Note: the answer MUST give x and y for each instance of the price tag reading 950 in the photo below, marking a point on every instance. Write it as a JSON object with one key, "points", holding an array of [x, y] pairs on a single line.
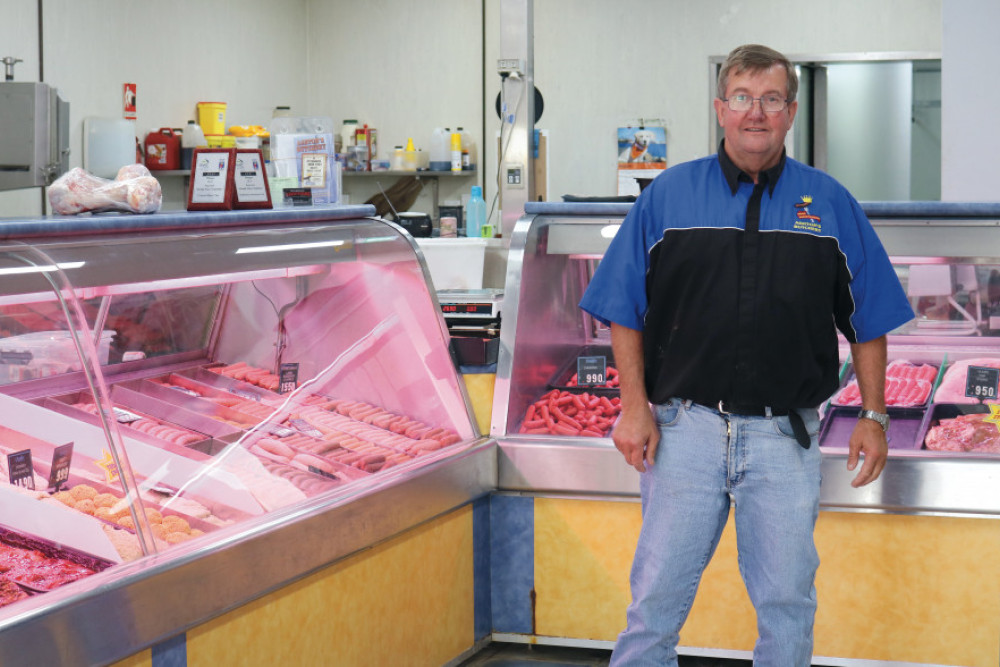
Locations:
{"points": [[288, 378], [591, 371], [981, 382]]}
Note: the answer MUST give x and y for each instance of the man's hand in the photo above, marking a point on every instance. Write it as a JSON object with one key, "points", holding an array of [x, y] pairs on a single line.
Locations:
{"points": [[636, 437], [868, 439]]}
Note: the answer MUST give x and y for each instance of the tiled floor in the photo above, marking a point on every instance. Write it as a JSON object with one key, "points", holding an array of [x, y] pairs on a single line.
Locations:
{"points": [[526, 655]]}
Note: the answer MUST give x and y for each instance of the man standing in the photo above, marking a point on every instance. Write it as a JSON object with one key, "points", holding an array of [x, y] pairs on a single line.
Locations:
{"points": [[724, 289]]}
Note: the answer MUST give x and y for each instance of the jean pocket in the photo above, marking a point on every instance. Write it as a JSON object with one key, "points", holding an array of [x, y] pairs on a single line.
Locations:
{"points": [[810, 417], [667, 413]]}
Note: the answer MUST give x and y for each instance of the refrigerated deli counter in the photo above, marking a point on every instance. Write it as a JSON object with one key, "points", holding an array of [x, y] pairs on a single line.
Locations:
{"points": [[909, 570], [200, 413]]}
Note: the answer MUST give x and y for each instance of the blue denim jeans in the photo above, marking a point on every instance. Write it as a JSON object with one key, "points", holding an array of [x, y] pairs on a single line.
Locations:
{"points": [[704, 463]]}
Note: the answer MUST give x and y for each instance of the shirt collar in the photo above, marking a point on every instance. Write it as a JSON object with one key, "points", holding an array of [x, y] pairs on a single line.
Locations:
{"points": [[734, 174]]}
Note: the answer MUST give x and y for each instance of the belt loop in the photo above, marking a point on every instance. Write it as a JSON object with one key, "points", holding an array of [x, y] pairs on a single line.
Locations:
{"points": [[767, 411], [688, 403]]}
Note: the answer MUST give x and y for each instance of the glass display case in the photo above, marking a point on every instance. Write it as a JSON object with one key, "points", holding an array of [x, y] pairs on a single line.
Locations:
{"points": [[556, 398], [202, 384]]}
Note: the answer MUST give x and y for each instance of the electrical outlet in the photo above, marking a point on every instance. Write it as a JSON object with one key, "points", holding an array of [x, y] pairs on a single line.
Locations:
{"points": [[510, 66], [515, 175]]}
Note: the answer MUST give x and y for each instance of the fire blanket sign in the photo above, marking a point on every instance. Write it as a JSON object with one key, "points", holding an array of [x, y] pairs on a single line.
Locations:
{"points": [[128, 100]]}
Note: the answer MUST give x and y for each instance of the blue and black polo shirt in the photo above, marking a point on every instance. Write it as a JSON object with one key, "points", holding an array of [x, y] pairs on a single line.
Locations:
{"points": [[740, 288]]}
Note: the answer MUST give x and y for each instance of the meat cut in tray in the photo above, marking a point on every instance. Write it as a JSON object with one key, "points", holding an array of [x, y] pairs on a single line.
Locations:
{"points": [[112, 508], [953, 384], [906, 385], [244, 372], [148, 425], [32, 569], [964, 433], [337, 440], [343, 435], [37, 566]]}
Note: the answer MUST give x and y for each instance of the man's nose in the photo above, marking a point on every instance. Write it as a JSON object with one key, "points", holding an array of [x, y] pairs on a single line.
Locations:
{"points": [[756, 107]]}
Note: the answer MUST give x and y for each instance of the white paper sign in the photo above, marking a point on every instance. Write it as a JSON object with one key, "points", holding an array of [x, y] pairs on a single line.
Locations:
{"points": [[249, 178], [209, 185]]}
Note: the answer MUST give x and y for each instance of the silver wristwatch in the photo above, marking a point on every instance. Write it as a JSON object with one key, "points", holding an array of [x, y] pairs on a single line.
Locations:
{"points": [[880, 417]]}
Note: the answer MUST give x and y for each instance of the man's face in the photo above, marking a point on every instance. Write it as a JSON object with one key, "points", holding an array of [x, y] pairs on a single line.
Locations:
{"points": [[754, 139]]}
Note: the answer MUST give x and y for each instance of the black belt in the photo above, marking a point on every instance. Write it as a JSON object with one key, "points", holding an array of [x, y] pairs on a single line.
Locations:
{"points": [[794, 418]]}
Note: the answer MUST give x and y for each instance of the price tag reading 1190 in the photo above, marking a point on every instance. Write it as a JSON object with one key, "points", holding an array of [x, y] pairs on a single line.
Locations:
{"points": [[591, 371], [981, 382]]}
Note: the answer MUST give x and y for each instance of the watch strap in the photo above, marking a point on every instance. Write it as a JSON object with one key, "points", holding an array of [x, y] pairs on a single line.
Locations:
{"points": [[880, 417]]}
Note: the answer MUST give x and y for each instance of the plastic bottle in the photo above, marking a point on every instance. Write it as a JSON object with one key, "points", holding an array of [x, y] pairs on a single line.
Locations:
{"points": [[456, 151], [398, 159], [439, 158], [475, 213], [468, 151], [347, 133], [410, 156], [191, 138]]}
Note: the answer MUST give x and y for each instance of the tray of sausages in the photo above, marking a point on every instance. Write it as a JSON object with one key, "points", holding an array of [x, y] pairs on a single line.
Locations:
{"points": [[569, 413]]}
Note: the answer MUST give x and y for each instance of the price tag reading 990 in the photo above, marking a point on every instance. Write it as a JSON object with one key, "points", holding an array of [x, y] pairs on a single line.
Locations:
{"points": [[59, 472], [981, 382], [591, 371]]}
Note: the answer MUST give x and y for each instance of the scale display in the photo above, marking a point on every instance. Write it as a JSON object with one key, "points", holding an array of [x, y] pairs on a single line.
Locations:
{"points": [[467, 309]]}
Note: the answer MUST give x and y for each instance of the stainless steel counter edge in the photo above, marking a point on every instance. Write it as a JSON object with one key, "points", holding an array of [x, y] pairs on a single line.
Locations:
{"points": [[909, 485], [104, 223], [138, 604]]}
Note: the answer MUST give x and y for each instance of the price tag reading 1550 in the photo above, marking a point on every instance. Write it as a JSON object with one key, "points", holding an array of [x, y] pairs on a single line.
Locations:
{"points": [[591, 371], [981, 382]]}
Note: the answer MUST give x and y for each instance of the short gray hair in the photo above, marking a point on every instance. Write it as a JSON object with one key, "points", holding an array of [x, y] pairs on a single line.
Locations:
{"points": [[756, 58]]}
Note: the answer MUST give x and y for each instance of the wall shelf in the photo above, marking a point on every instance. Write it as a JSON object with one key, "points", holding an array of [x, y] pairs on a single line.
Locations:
{"points": [[432, 176], [424, 172]]}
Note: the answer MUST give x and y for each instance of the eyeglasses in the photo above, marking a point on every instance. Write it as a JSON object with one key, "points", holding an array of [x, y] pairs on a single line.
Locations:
{"points": [[769, 103]]}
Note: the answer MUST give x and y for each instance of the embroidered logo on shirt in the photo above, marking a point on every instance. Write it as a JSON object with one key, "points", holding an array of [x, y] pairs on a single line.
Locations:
{"points": [[804, 220]]}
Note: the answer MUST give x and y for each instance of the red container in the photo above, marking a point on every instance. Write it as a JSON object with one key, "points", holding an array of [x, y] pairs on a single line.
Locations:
{"points": [[163, 150]]}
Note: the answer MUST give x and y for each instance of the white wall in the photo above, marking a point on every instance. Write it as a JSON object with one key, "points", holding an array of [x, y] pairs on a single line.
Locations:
{"points": [[601, 64], [248, 53], [402, 66], [407, 66], [970, 99]]}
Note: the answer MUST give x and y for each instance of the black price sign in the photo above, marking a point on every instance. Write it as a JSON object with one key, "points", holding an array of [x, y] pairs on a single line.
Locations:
{"points": [[242, 393], [981, 382], [288, 378], [305, 427], [297, 196], [20, 470], [591, 371], [59, 472], [15, 358], [279, 431], [321, 473], [124, 416]]}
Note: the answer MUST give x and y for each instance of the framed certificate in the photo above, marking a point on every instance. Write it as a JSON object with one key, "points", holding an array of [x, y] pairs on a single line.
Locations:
{"points": [[211, 186], [250, 187]]}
